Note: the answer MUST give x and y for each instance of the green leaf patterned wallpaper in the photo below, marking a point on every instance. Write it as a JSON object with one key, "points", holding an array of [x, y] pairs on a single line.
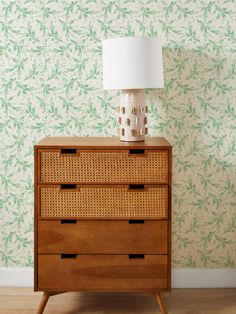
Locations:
{"points": [[51, 84]]}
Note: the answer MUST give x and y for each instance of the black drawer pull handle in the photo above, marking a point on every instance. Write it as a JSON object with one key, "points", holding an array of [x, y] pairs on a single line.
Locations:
{"points": [[134, 222], [136, 187], [68, 221], [68, 255], [137, 151], [136, 256], [68, 151], [68, 186]]}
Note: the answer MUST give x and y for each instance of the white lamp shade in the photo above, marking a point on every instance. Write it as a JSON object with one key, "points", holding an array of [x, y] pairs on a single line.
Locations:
{"points": [[132, 63]]}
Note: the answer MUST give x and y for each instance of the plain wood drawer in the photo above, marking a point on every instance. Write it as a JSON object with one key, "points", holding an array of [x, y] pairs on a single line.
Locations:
{"points": [[103, 201], [102, 237], [106, 166], [102, 272]]}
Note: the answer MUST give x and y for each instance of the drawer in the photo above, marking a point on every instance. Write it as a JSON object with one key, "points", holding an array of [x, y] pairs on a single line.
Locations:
{"points": [[103, 237], [102, 272], [103, 201], [114, 166]]}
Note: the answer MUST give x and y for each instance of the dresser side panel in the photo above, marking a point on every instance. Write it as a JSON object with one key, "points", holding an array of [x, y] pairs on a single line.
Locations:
{"points": [[169, 217], [35, 219]]}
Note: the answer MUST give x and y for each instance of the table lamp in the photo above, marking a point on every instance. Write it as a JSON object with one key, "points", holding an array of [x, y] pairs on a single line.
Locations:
{"points": [[132, 64]]}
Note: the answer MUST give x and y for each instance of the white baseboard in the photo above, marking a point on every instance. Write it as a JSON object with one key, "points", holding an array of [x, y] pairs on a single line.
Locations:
{"points": [[204, 278], [16, 277], [181, 278]]}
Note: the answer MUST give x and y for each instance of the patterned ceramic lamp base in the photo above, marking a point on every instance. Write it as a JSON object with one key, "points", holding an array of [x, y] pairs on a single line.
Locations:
{"points": [[132, 115]]}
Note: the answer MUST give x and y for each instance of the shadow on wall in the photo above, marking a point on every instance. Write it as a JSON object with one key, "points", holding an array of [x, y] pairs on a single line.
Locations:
{"points": [[196, 114]]}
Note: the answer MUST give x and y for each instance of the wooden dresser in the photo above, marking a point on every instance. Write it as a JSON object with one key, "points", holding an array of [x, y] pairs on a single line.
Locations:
{"points": [[102, 216]]}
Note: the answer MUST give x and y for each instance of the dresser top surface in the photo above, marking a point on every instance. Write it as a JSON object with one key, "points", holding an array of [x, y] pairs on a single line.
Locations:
{"points": [[101, 142]]}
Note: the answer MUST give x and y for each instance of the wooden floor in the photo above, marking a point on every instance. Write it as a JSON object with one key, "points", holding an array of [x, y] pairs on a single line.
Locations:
{"points": [[181, 301]]}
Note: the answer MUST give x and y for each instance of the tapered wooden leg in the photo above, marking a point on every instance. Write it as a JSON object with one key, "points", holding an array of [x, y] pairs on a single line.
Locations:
{"points": [[160, 303], [43, 302]]}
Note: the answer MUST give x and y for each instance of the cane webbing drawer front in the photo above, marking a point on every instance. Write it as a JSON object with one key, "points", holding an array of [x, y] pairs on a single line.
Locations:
{"points": [[103, 237], [104, 166], [104, 202], [102, 272]]}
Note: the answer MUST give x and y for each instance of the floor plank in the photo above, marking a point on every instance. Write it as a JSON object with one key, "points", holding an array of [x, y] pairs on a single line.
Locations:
{"points": [[179, 301]]}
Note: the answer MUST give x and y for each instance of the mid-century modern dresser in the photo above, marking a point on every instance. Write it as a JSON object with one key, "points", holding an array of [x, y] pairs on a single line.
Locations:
{"points": [[102, 216]]}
